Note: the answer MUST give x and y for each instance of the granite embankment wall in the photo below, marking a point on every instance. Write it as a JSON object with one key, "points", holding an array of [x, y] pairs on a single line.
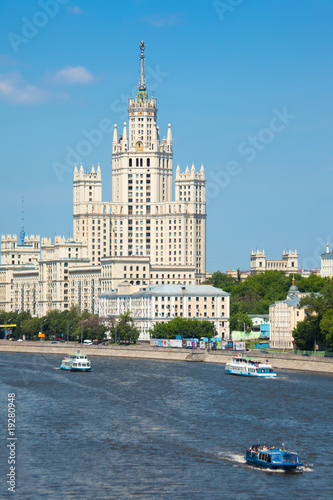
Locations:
{"points": [[278, 360]]}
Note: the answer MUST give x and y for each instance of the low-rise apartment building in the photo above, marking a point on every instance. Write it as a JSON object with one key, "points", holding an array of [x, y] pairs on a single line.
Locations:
{"points": [[284, 315], [160, 303]]}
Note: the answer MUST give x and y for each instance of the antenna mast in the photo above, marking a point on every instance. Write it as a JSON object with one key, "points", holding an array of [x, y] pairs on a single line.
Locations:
{"points": [[22, 233]]}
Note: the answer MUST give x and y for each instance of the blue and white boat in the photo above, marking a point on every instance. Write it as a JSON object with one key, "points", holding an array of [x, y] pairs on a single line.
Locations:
{"points": [[272, 458], [239, 365], [76, 363]]}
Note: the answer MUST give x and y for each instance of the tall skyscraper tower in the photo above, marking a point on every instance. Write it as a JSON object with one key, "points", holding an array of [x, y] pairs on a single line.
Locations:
{"points": [[143, 222]]}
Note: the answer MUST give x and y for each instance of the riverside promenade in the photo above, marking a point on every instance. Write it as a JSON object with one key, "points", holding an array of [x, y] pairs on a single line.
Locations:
{"points": [[287, 361]]}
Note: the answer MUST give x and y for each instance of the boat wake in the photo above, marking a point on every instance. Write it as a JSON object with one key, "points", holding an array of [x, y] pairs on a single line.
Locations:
{"points": [[300, 470], [306, 468], [236, 458]]}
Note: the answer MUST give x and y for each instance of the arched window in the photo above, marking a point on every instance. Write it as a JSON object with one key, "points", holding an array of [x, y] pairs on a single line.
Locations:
{"points": [[137, 162], [141, 162], [130, 162], [148, 162]]}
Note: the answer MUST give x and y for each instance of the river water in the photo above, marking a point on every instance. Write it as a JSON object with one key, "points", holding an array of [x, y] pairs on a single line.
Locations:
{"points": [[161, 430]]}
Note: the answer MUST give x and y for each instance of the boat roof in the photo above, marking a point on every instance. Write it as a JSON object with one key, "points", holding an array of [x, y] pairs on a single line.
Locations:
{"points": [[75, 356], [254, 360], [270, 449]]}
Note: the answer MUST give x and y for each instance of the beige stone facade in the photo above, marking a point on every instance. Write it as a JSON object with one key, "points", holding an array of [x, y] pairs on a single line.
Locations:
{"points": [[142, 237], [17, 254], [19, 273], [56, 260], [143, 219], [288, 263], [283, 317]]}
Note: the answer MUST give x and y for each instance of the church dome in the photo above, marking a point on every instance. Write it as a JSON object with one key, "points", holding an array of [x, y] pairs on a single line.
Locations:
{"points": [[293, 288]]}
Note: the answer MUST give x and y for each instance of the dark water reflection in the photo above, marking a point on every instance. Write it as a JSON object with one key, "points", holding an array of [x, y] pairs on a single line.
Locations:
{"points": [[150, 429]]}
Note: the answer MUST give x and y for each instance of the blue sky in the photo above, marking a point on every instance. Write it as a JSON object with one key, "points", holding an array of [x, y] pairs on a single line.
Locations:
{"points": [[247, 86]]}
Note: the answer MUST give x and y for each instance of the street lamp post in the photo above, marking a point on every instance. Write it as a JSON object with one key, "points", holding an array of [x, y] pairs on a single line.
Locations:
{"points": [[315, 344], [81, 328], [41, 328]]}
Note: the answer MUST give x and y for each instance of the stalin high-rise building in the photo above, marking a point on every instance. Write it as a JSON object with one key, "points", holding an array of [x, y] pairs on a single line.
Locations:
{"points": [[145, 235], [143, 252]]}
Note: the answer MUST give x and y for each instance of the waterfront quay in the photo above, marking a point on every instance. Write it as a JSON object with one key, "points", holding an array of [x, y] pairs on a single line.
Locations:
{"points": [[286, 361]]}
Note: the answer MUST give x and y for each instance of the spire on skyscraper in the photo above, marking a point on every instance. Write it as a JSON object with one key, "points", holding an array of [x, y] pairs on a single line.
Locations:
{"points": [[142, 94], [142, 84]]}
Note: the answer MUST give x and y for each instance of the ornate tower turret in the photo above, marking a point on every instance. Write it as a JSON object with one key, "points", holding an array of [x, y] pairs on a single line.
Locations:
{"points": [[141, 153]]}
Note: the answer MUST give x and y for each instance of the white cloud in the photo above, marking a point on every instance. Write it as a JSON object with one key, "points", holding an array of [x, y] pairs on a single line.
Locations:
{"points": [[17, 91], [73, 74], [75, 10]]}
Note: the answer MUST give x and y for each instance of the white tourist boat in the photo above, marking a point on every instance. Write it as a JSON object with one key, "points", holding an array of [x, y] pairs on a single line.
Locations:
{"points": [[76, 363], [248, 367]]}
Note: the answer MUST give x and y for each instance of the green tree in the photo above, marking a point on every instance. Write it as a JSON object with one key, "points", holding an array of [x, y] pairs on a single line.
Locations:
{"points": [[312, 284], [238, 320], [186, 327], [30, 328], [124, 329], [307, 333], [91, 328], [326, 327], [223, 281], [320, 313], [18, 320], [55, 324]]}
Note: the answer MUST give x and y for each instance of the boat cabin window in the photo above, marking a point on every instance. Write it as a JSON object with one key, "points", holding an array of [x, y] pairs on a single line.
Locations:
{"points": [[276, 458], [265, 457]]}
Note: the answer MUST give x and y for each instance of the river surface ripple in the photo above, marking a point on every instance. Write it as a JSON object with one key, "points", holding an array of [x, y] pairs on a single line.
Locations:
{"points": [[147, 429]]}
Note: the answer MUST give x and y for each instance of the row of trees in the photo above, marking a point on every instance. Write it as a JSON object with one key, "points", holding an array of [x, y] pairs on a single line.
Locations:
{"points": [[258, 292], [56, 324], [187, 328], [79, 325]]}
